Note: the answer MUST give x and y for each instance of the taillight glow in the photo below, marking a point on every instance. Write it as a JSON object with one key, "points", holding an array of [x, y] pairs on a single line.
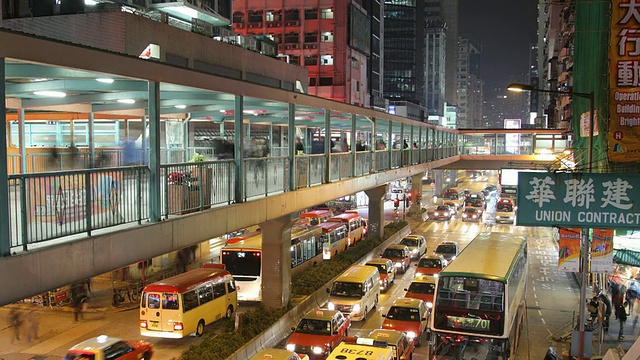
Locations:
{"points": [[143, 324], [177, 326]]}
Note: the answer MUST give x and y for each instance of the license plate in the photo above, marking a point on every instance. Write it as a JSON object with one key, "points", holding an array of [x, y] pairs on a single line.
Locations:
{"points": [[155, 324]]}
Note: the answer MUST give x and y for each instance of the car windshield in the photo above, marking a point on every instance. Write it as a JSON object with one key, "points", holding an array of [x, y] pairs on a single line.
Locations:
{"points": [[394, 253], [430, 263], [471, 210], [422, 288], [403, 314], [346, 289], [382, 268], [504, 207], [442, 208], [446, 249], [79, 356], [409, 242], [317, 327]]}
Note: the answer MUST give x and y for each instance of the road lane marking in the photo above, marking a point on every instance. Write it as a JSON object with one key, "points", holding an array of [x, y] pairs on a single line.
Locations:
{"points": [[540, 312], [534, 288], [535, 296], [550, 333], [544, 322]]}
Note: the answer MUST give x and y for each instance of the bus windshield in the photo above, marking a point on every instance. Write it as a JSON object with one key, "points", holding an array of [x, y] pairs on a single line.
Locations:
{"points": [[242, 263], [346, 289], [448, 347], [314, 221]]}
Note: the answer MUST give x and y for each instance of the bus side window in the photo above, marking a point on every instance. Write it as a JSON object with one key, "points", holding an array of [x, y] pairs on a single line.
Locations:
{"points": [[189, 300], [231, 286], [218, 290], [205, 294], [143, 302]]}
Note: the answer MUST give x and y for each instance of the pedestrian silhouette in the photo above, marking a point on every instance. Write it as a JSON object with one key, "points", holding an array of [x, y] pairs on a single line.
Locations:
{"points": [[15, 322], [32, 326]]}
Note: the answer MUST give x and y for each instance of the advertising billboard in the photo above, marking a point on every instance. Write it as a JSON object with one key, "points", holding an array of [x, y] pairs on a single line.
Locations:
{"points": [[360, 31], [624, 82]]}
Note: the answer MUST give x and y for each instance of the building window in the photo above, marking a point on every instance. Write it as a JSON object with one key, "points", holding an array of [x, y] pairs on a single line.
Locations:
{"points": [[355, 63], [326, 14], [312, 82], [311, 60], [292, 14], [327, 36], [326, 60], [294, 59], [326, 81], [310, 14], [238, 17], [269, 16], [292, 38], [311, 37]]}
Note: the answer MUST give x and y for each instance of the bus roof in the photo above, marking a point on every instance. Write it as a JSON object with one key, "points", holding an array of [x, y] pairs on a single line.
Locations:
{"points": [[482, 257], [251, 241], [331, 226], [185, 281], [317, 213], [344, 216]]}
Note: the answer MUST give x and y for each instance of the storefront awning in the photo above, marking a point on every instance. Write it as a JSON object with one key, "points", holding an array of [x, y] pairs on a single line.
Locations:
{"points": [[626, 257]]}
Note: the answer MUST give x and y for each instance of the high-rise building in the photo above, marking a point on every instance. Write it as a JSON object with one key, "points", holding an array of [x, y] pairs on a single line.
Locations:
{"points": [[449, 11], [337, 41], [404, 49], [469, 85], [436, 64]]}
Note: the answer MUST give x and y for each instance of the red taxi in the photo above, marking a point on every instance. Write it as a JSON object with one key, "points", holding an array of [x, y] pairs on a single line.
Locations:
{"points": [[399, 254], [318, 332], [387, 272], [409, 316], [431, 264], [402, 348], [422, 287], [105, 347]]}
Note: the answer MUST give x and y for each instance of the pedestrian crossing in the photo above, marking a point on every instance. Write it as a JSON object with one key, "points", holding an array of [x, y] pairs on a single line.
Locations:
{"points": [[464, 227]]}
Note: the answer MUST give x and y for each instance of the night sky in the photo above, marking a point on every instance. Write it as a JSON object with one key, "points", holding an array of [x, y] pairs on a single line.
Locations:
{"points": [[506, 29]]}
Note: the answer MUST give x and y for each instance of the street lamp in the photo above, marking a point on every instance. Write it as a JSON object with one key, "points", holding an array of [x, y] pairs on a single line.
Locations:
{"points": [[585, 233]]}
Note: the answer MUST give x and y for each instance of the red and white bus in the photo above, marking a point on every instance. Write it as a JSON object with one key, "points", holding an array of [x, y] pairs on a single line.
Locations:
{"points": [[334, 239], [356, 226], [186, 303], [316, 217]]}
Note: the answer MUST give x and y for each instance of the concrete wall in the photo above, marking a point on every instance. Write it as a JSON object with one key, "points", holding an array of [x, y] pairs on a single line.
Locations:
{"points": [[42, 270], [278, 331], [130, 34]]}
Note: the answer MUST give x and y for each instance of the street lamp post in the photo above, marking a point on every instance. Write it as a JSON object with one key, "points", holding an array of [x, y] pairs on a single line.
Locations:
{"points": [[585, 232]]}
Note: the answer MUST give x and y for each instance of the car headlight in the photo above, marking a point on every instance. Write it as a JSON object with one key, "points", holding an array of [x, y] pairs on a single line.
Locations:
{"points": [[511, 217], [464, 215], [415, 251], [429, 305], [331, 306], [291, 347], [436, 213], [317, 350], [497, 216], [397, 264], [356, 307], [453, 257], [411, 335]]}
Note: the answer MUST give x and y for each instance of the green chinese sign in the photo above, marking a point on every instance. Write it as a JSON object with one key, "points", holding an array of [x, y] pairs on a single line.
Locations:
{"points": [[604, 201]]}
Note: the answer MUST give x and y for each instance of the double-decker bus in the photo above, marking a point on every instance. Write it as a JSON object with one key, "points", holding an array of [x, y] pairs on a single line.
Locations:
{"points": [[184, 304], [334, 239], [242, 256], [479, 304], [356, 226]]}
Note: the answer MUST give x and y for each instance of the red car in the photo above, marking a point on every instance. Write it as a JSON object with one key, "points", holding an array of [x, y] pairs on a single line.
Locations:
{"points": [[319, 332], [410, 317], [422, 287], [400, 255], [104, 347], [431, 265]]}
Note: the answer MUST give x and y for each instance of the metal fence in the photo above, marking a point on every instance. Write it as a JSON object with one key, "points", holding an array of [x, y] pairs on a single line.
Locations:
{"points": [[50, 205]]}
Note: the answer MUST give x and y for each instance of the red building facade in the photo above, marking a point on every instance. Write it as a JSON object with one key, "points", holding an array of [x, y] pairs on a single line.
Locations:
{"points": [[314, 34]]}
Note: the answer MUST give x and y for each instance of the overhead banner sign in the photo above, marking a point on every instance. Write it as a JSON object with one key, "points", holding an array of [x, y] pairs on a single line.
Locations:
{"points": [[602, 251], [624, 82], [603, 201], [569, 249]]}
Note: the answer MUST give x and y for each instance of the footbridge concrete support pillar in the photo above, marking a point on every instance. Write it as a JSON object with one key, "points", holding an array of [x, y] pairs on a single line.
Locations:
{"points": [[376, 209], [276, 261], [416, 192]]}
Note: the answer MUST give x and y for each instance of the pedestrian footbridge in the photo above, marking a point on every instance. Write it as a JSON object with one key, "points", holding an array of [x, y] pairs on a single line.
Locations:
{"points": [[92, 206]]}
